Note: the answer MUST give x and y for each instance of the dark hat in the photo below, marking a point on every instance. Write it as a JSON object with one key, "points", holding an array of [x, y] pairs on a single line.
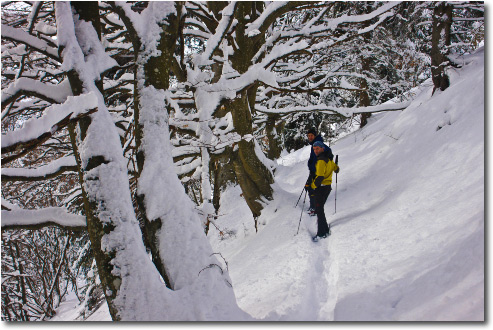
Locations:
{"points": [[313, 131], [318, 144]]}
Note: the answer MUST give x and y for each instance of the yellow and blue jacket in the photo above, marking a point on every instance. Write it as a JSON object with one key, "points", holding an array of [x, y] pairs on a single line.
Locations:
{"points": [[323, 171]]}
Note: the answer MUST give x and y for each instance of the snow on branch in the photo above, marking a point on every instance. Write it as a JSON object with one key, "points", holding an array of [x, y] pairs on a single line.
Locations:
{"points": [[221, 30], [346, 112], [282, 51], [130, 19], [45, 172], [196, 34], [256, 73], [464, 19], [271, 10], [37, 130], [189, 167], [35, 219], [30, 87], [333, 24], [19, 35], [6, 205], [373, 26]]}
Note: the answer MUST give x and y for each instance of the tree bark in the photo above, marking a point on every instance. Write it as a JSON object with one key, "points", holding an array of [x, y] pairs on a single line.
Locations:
{"points": [[252, 175], [275, 146], [111, 222], [254, 178], [364, 98], [156, 73], [89, 11], [440, 40]]}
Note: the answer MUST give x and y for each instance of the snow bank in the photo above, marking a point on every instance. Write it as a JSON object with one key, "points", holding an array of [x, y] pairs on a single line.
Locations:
{"points": [[407, 240]]}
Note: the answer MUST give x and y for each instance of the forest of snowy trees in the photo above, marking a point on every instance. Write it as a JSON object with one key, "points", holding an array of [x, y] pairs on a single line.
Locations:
{"points": [[122, 122]]}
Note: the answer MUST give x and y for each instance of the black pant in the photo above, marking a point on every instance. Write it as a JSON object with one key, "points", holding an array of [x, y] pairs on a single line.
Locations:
{"points": [[311, 192], [311, 196], [320, 197]]}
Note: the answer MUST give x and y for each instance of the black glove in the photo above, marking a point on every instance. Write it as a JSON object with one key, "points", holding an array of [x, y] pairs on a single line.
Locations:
{"points": [[309, 180]]}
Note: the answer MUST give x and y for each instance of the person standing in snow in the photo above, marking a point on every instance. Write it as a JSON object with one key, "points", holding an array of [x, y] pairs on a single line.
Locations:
{"points": [[321, 186], [312, 138]]}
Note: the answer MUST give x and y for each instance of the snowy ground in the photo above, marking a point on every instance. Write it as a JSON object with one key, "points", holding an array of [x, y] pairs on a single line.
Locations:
{"points": [[407, 239]]}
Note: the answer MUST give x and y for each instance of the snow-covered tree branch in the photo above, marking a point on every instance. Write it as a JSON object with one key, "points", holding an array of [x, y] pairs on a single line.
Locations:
{"points": [[45, 172], [33, 219], [346, 112]]}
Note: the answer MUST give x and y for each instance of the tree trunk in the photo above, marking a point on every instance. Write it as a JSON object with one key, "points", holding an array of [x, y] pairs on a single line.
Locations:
{"points": [[253, 176], [155, 73], [440, 40], [119, 252], [273, 137], [364, 98], [89, 11], [223, 173]]}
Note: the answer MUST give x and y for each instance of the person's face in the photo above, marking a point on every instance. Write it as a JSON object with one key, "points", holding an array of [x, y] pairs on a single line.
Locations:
{"points": [[311, 137], [317, 150]]}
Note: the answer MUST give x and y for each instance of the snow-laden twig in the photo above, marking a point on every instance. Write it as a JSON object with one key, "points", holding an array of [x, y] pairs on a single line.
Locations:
{"points": [[30, 87], [271, 9], [19, 35], [214, 41], [346, 112], [44, 172], [38, 130], [58, 216]]}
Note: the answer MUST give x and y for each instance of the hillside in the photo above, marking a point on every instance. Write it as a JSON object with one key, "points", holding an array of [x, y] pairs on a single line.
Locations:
{"points": [[407, 239]]}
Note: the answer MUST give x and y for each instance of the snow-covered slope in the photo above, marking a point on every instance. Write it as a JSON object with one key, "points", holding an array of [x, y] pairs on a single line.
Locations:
{"points": [[407, 240], [408, 237]]}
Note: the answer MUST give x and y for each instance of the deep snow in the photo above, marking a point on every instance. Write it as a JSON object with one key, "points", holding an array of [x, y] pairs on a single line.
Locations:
{"points": [[407, 240], [408, 237]]}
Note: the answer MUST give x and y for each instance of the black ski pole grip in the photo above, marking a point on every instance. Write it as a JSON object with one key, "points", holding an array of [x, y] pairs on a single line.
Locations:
{"points": [[337, 159]]}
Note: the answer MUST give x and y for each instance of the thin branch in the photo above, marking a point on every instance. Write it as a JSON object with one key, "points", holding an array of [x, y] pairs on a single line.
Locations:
{"points": [[47, 176], [30, 145]]}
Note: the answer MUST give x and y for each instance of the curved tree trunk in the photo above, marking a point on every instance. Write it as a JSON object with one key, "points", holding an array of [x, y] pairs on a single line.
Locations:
{"points": [[111, 221], [253, 176], [96, 228], [156, 73]]}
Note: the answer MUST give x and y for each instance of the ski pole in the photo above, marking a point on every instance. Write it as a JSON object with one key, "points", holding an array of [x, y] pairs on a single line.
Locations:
{"points": [[299, 197], [335, 195], [299, 223]]}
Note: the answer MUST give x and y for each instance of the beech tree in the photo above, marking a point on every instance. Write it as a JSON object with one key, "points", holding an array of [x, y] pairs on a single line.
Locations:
{"points": [[443, 32], [245, 58], [115, 235]]}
